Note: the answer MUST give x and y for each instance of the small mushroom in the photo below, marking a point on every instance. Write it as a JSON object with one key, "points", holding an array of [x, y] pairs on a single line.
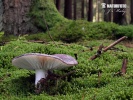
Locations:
{"points": [[42, 63]]}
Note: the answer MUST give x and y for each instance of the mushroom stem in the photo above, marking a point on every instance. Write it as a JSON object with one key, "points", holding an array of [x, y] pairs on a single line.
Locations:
{"points": [[40, 73]]}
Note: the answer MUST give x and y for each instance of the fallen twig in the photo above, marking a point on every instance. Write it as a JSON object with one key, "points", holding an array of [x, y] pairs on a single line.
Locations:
{"points": [[100, 51], [114, 43], [123, 68]]}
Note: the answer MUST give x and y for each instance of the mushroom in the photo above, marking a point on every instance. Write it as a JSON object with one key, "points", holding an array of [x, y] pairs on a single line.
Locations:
{"points": [[42, 63]]}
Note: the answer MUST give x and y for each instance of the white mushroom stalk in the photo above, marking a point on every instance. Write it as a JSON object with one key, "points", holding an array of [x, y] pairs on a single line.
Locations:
{"points": [[41, 63], [40, 73]]}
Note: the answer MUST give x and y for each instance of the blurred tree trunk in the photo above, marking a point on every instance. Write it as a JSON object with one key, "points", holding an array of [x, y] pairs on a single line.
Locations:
{"points": [[90, 10], [1, 15], [119, 17], [68, 9], [98, 13], [75, 10], [82, 9], [15, 17], [107, 15], [58, 2], [131, 11], [29, 16]]}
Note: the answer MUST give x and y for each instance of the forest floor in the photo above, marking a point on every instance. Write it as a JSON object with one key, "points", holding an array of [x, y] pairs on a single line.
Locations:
{"points": [[97, 79]]}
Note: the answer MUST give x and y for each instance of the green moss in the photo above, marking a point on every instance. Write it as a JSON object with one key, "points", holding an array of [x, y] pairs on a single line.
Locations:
{"points": [[4, 39], [124, 31], [44, 13], [80, 30], [84, 83]]}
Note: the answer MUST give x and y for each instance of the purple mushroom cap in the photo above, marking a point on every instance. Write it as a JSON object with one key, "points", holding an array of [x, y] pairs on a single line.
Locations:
{"points": [[34, 61], [66, 59]]}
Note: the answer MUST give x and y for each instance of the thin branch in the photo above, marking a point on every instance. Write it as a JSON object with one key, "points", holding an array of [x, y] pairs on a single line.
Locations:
{"points": [[49, 32], [124, 66], [114, 43], [100, 51]]}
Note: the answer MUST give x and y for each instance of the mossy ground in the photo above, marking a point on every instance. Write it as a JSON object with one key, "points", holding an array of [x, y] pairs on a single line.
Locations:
{"points": [[84, 84]]}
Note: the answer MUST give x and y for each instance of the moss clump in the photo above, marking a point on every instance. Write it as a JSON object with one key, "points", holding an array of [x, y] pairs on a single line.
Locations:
{"points": [[74, 31], [124, 31], [79, 30], [71, 31], [44, 12]]}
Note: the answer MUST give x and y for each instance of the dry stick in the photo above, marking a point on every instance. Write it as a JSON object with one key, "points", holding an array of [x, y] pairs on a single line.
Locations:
{"points": [[108, 47], [113, 44], [99, 51], [49, 32], [124, 66]]}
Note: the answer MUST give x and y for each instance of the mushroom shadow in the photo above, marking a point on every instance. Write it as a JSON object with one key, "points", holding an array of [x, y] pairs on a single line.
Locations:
{"points": [[25, 85]]}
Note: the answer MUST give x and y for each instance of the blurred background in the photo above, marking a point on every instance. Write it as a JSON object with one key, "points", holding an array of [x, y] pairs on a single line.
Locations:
{"points": [[92, 10]]}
